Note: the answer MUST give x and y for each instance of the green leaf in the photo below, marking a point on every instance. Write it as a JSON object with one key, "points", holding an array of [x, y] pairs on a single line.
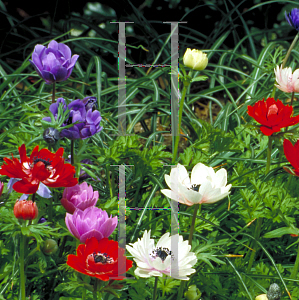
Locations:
{"points": [[199, 78], [25, 231], [280, 232]]}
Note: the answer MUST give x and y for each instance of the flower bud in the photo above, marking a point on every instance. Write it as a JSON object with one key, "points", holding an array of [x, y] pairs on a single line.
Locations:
{"points": [[274, 292], [261, 297], [193, 293], [42, 220], [51, 135], [26, 210], [195, 59], [49, 247]]}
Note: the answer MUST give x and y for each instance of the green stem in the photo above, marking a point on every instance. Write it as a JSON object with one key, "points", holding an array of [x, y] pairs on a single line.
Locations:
{"points": [[72, 153], [83, 294], [269, 154], [33, 197], [257, 233], [290, 50], [95, 287], [53, 93], [177, 138], [196, 207], [292, 100], [22, 266], [50, 211], [155, 288], [296, 266], [108, 180]]}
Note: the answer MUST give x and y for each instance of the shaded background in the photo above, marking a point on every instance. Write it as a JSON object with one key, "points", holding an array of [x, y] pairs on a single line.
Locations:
{"points": [[23, 25]]}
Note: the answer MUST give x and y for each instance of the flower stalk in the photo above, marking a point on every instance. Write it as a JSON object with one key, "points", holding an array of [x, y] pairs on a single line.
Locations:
{"points": [[296, 266], [95, 287], [22, 265], [177, 138], [257, 233], [53, 92], [72, 153], [196, 208], [290, 50], [269, 150], [155, 288]]}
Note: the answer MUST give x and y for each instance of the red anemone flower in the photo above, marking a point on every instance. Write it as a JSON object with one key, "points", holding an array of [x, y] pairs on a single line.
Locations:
{"points": [[100, 259], [292, 154], [273, 115], [42, 166]]}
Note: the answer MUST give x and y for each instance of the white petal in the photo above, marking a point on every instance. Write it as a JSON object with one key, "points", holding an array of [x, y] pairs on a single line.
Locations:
{"points": [[142, 273], [204, 190], [158, 264], [220, 178], [183, 175], [199, 173]]}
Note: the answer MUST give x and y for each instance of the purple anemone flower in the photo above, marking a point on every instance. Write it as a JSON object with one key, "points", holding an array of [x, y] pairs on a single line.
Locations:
{"points": [[54, 63], [293, 18], [88, 121], [91, 222], [90, 103], [79, 196]]}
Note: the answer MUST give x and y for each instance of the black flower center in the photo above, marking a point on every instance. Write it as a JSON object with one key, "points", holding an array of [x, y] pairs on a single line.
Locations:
{"points": [[160, 252], [194, 187], [102, 258], [46, 161]]}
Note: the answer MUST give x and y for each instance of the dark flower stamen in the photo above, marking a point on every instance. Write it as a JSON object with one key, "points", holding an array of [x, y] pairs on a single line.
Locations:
{"points": [[160, 252], [102, 258], [47, 162], [194, 187]]}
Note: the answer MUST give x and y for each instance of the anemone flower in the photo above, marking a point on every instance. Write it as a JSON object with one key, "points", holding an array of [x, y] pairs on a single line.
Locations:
{"points": [[287, 81], [79, 196], [100, 259], [272, 115], [156, 260], [91, 222], [205, 185], [53, 63], [42, 166]]}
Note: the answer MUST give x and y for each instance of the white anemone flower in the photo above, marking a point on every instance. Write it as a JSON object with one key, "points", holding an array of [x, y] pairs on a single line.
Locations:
{"points": [[287, 80], [205, 186], [157, 260]]}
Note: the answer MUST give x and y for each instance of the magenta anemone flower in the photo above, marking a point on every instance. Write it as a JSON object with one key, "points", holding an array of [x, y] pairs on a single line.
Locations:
{"points": [[79, 196], [91, 222]]}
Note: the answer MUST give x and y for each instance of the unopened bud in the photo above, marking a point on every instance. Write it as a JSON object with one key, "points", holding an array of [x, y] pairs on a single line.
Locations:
{"points": [[51, 135], [261, 297], [193, 293], [26, 210], [274, 292], [50, 247]]}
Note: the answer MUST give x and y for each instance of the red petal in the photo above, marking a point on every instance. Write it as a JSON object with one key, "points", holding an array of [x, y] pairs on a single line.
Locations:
{"points": [[34, 153], [40, 171], [266, 131], [26, 187], [290, 153], [23, 155], [77, 264], [92, 245]]}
